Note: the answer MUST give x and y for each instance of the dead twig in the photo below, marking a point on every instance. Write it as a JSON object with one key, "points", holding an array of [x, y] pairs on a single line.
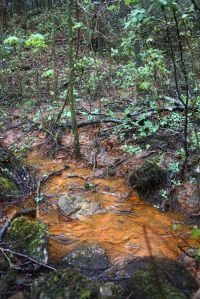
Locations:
{"points": [[6, 250], [46, 177]]}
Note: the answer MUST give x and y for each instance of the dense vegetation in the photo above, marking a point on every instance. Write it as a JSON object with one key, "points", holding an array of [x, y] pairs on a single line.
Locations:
{"points": [[132, 63], [150, 50]]}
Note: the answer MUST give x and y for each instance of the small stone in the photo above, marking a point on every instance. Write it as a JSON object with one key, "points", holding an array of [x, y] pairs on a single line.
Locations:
{"points": [[77, 207], [105, 291]]}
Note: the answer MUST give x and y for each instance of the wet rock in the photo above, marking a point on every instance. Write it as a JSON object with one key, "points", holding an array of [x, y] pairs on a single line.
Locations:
{"points": [[89, 257], [29, 237], [160, 278], [190, 261], [77, 207], [69, 284], [147, 179], [124, 269]]}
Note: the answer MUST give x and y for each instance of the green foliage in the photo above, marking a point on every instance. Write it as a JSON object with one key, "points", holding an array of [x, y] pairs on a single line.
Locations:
{"points": [[48, 73], [69, 284], [180, 153], [36, 41], [147, 129], [139, 61], [77, 25], [197, 255], [28, 236], [136, 19], [128, 2], [162, 2], [12, 41], [113, 8], [38, 199], [132, 149], [195, 234], [6, 186], [176, 226], [173, 166]]}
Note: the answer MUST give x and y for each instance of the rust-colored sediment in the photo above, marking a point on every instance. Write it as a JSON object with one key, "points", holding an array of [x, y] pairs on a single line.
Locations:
{"points": [[130, 228]]}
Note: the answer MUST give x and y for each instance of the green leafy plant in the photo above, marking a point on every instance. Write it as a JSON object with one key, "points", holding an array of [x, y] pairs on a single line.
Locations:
{"points": [[173, 166], [195, 234], [132, 149], [38, 199], [36, 41], [164, 194], [48, 73], [12, 41]]}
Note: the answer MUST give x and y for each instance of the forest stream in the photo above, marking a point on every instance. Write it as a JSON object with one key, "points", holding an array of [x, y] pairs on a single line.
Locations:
{"points": [[122, 223]]}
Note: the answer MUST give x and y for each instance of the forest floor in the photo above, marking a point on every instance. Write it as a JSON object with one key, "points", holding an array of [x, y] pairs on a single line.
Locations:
{"points": [[106, 168], [118, 134]]}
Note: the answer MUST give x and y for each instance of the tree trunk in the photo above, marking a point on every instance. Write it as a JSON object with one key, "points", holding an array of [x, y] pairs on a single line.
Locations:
{"points": [[77, 153]]}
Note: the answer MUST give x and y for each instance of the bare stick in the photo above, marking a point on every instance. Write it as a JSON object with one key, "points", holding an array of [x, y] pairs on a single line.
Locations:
{"points": [[27, 257]]}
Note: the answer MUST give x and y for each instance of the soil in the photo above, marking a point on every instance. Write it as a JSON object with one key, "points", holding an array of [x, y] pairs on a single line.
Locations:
{"points": [[126, 226]]}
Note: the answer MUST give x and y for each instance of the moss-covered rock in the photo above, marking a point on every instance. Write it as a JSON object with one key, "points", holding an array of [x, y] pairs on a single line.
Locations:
{"points": [[161, 279], [147, 179], [69, 284], [89, 257], [6, 186], [147, 286], [149, 176], [29, 237]]}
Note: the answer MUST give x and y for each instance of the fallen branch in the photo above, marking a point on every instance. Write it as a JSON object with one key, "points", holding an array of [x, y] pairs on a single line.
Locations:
{"points": [[107, 119], [46, 177], [27, 257], [97, 121]]}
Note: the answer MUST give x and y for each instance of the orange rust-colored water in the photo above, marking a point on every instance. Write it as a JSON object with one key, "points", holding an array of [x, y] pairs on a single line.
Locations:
{"points": [[129, 228]]}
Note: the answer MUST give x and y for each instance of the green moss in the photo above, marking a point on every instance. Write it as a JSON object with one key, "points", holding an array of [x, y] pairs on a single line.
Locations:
{"points": [[29, 237], [65, 284], [85, 294], [68, 284], [147, 285], [6, 186], [161, 278]]}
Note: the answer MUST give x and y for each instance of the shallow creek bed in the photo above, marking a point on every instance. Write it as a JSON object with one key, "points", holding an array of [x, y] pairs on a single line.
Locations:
{"points": [[100, 226]]}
